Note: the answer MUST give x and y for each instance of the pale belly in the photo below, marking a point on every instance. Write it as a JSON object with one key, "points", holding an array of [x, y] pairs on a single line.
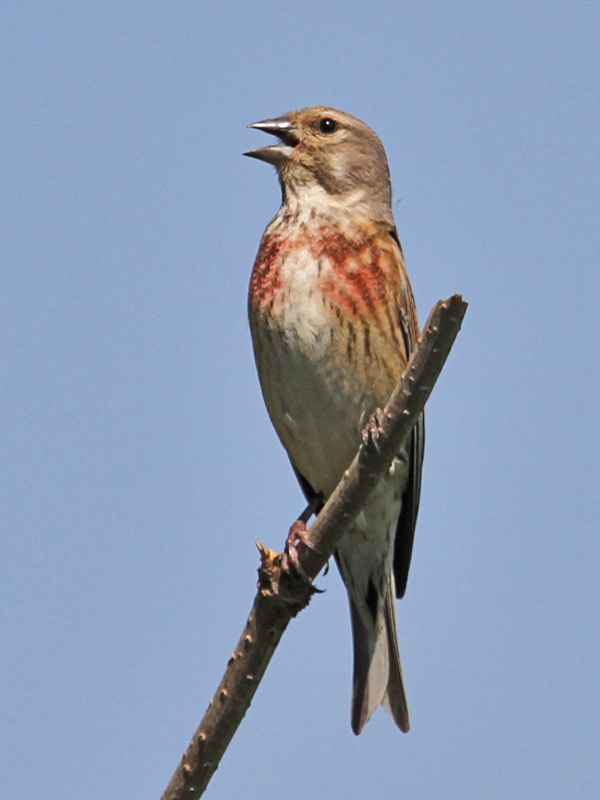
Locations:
{"points": [[317, 412], [323, 369], [318, 402]]}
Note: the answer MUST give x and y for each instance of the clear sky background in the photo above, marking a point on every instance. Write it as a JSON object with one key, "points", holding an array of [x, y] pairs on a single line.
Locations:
{"points": [[138, 465]]}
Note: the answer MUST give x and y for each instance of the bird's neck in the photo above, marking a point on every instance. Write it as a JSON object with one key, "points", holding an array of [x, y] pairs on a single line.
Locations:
{"points": [[311, 205]]}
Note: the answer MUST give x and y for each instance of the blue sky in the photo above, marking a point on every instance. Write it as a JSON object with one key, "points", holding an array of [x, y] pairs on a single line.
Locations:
{"points": [[138, 464]]}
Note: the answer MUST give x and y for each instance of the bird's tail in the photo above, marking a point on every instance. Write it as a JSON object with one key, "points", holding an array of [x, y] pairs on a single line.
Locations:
{"points": [[377, 670]]}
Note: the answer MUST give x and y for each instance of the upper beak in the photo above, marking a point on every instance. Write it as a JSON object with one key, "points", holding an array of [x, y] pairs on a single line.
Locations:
{"points": [[275, 153]]}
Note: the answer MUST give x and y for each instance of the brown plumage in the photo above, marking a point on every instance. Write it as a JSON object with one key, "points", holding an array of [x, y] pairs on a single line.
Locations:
{"points": [[333, 323]]}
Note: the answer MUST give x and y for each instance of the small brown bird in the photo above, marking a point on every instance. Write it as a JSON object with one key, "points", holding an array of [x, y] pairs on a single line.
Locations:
{"points": [[333, 323]]}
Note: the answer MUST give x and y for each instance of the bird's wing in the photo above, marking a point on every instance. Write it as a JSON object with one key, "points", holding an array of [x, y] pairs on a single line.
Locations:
{"points": [[307, 490], [405, 530]]}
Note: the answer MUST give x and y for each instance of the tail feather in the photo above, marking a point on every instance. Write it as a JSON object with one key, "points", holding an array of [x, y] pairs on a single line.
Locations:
{"points": [[394, 701], [377, 670], [370, 672]]}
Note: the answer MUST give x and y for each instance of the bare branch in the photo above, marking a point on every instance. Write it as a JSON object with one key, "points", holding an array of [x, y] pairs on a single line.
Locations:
{"points": [[280, 597]]}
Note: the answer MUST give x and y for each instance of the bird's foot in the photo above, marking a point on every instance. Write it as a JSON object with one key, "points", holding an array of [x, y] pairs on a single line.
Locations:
{"points": [[315, 505], [291, 558], [373, 428]]}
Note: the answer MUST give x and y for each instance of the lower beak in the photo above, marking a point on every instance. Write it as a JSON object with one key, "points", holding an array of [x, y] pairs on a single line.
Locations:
{"points": [[275, 153]]}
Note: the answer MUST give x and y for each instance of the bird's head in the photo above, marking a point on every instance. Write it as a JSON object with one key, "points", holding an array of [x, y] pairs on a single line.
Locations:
{"points": [[327, 156]]}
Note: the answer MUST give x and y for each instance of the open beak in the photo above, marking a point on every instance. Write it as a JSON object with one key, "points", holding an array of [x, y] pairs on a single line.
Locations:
{"points": [[282, 151]]}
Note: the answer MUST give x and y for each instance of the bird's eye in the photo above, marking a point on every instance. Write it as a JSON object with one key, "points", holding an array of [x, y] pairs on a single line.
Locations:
{"points": [[328, 125]]}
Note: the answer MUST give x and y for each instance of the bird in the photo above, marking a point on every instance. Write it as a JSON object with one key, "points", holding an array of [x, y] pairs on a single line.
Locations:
{"points": [[333, 322]]}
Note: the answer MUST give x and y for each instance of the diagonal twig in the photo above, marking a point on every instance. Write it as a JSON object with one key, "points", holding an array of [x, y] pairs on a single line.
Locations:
{"points": [[278, 599]]}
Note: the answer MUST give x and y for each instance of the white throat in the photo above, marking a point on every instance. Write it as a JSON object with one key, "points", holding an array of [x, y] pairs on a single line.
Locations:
{"points": [[310, 202]]}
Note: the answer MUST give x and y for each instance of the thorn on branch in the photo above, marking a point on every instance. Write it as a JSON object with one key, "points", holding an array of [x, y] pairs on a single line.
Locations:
{"points": [[280, 576]]}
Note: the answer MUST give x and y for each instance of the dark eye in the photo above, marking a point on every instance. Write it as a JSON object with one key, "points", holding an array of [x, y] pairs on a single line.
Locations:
{"points": [[328, 125]]}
